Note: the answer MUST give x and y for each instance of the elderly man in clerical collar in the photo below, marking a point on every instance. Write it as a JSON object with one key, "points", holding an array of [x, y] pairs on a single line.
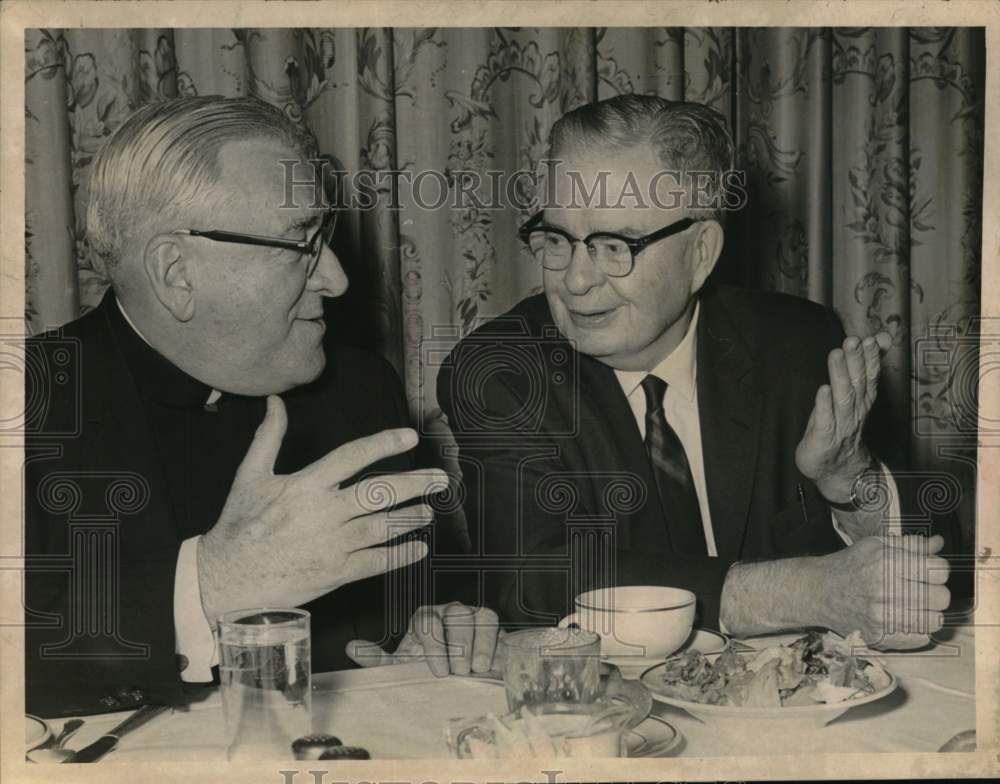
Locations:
{"points": [[206, 420]]}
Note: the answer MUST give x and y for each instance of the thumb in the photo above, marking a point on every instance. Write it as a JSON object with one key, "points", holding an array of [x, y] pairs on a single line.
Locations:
{"points": [[260, 457], [365, 653]]}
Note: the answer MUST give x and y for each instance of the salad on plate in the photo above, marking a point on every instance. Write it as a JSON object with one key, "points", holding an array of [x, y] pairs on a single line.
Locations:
{"points": [[814, 669]]}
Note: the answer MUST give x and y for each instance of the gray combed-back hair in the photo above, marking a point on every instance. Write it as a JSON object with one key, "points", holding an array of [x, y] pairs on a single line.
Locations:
{"points": [[163, 161], [685, 136]]}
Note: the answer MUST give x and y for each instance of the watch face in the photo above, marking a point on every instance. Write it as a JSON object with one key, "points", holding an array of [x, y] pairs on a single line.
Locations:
{"points": [[870, 492]]}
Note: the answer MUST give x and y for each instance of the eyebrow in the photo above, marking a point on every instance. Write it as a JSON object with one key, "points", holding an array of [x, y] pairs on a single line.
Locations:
{"points": [[625, 231], [307, 222]]}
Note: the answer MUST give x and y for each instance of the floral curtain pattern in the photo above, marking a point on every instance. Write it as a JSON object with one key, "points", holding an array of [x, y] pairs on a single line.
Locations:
{"points": [[863, 148]]}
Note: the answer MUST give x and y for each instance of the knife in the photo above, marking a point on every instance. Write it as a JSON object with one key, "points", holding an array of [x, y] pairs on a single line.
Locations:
{"points": [[109, 740]]}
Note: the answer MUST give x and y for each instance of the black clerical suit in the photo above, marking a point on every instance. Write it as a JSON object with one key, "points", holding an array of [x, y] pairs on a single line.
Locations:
{"points": [[559, 494], [124, 461]]}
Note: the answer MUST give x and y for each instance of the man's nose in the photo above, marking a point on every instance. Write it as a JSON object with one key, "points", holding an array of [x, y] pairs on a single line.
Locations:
{"points": [[582, 274], [329, 278]]}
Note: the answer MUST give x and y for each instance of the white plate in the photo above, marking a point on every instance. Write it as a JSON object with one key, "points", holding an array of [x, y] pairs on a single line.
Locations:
{"points": [[654, 737], [767, 720], [704, 641], [36, 732]]}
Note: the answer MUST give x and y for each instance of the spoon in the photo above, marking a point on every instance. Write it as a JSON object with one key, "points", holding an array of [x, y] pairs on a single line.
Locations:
{"points": [[54, 751]]}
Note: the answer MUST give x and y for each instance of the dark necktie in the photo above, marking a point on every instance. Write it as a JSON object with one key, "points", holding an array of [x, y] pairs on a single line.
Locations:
{"points": [[673, 474]]}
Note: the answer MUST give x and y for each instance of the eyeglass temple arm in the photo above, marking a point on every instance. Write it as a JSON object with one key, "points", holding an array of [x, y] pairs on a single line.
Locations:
{"points": [[243, 239]]}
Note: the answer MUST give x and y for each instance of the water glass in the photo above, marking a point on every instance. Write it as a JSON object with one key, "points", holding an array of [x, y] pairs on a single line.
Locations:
{"points": [[551, 666], [265, 674]]}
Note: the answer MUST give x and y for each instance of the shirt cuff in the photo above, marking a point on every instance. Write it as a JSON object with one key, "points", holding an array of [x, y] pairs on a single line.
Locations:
{"points": [[195, 637], [894, 528]]}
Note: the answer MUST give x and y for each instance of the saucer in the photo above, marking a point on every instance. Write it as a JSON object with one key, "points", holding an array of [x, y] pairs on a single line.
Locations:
{"points": [[653, 737], [704, 641]]}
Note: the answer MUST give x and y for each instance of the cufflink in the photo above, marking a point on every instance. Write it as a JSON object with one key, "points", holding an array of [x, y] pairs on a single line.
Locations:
{"points": [[182, 662]]}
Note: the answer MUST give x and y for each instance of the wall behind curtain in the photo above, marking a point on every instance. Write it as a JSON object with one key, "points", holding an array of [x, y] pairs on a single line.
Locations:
{"points": [[863, 147]]}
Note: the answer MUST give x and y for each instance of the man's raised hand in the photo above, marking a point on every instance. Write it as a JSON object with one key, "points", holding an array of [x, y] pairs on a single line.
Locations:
{"points": [[831, 451], [283, 540]]}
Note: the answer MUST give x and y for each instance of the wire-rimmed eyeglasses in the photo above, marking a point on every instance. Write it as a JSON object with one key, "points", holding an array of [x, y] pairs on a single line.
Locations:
{"points": [[312, 248]]}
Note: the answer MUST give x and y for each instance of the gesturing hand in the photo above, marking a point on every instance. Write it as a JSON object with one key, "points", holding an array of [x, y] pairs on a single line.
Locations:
{"points": [[283, 540], [890, 588], [451, 637], [831, 452]]}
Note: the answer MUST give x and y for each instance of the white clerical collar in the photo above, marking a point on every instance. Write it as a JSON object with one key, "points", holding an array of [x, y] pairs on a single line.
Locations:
{"points": [[215, 393], [678, 368]]}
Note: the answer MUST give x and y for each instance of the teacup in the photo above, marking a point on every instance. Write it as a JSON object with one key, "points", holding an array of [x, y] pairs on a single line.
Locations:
{"points": [[641, 621]]}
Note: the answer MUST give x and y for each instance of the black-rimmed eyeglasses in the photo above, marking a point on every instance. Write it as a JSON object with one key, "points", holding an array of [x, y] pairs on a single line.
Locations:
{"points": [[311, 248], [614, 254]]}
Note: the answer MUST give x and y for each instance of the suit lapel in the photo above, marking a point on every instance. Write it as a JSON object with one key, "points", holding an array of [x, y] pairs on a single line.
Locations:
{"points": [[729, 404]]}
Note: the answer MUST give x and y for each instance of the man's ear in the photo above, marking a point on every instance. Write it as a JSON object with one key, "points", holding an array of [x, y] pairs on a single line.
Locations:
{"points": [[166, 269], [707, 247]]}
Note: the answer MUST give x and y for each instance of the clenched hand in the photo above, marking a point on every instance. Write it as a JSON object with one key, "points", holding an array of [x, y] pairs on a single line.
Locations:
{"points": [[452, 638], [890, 588]]}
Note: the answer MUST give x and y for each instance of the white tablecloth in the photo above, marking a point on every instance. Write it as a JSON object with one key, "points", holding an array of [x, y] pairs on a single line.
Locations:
{"points": [[399, 712]]}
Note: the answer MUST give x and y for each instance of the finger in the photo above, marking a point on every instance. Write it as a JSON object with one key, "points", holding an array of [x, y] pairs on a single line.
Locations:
{"points": [[379, 560], [365, 653], [873, 366], [918, 544], [485, 643], [855, 358], [375, 529], [884, 340], [428, 629], [824, 421], [938, 570], [349, 459], [381, 492], [938, 598], [260, 457], [840, 385], [459, 630]]}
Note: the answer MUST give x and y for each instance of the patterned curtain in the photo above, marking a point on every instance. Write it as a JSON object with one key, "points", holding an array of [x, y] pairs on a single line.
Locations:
{"points": [[864, 149]]}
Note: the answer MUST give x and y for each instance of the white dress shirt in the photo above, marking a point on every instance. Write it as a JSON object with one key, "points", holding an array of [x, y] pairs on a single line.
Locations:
{"points": [[193, 633], [680, 370]]}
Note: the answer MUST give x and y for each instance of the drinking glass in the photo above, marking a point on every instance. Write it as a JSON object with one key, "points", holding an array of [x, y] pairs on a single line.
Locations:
{"points": [[265, 674], [547, 666]]}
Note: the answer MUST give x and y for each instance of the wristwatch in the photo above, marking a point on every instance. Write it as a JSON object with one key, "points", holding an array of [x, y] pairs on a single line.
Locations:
{"points": [[868, 491]]}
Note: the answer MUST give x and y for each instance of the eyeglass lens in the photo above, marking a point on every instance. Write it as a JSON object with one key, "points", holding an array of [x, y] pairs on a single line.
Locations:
{"points": [[554, 251]]}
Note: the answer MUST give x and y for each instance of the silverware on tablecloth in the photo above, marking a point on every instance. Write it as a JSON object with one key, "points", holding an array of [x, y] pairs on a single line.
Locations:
{"points": [[52, 750], [109, 740]]}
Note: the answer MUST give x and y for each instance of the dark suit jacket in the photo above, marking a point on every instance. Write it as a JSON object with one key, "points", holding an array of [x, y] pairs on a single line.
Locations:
{"points": [[95, 497], [560, 497]]}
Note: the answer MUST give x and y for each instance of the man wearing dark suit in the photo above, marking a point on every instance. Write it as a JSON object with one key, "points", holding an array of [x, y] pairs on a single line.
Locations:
{"points": [[193, 449], [629, 426]]}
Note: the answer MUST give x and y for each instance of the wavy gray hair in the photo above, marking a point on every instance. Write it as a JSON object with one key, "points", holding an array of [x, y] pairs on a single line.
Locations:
{"points": [[162, 163], [685, 137]]}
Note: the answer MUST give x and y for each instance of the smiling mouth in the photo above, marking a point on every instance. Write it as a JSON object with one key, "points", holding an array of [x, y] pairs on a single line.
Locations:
{"points": [[591, 318]]}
